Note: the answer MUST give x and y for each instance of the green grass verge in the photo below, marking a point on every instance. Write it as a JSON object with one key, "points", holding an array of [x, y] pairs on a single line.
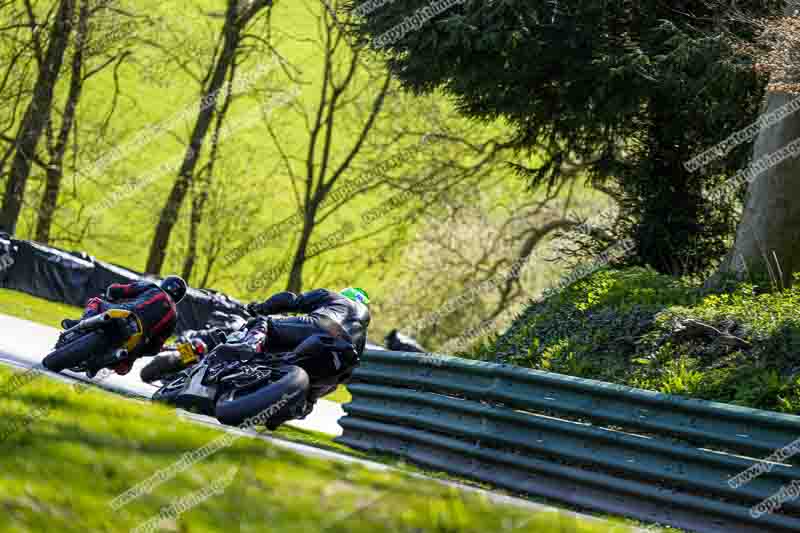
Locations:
{"points": [[85, 447], [643, 329], [21, 305]]}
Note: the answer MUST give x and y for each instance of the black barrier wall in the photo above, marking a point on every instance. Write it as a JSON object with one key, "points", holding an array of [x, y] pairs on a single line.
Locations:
{"points": [[74, 277]]}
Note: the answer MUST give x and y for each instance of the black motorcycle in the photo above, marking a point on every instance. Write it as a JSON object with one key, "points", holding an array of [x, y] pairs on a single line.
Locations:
{"points": [[241, 388], [102, 341]]}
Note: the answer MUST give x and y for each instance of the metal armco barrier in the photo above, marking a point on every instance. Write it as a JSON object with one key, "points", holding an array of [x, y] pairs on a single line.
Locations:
{"points": [[610, 448]]}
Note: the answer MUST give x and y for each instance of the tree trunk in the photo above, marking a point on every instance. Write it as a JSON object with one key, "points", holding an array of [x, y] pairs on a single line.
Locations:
{"points": [[207, 274], [295, 284], [198, 205], [169, 213], [768, 238], [55, 170], [36, 117], [200, 195]]}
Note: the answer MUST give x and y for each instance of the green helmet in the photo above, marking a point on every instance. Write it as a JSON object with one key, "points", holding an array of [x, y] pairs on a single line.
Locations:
{"points": [[356, 294]]}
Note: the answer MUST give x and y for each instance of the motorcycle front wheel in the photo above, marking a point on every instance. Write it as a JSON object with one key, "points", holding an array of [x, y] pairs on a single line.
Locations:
{"points": [[269, 406], [162, 366], [76, 352]]}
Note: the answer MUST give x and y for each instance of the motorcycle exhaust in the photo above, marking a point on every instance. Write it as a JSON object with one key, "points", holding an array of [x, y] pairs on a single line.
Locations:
{"points": [[90, 323]]}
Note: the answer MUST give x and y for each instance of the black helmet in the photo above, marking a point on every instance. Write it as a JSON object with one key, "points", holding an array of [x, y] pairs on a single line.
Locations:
{"points": [[175, 287]]}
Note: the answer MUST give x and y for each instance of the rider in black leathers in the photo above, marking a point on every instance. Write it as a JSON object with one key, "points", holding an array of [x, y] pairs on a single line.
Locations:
{"points": [[339, 314], [326, 342], [344, 315]]}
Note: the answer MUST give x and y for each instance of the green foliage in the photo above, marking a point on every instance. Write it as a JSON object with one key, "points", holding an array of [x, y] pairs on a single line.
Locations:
{"points": [[251, 192], [632, 327], [635, 88]]}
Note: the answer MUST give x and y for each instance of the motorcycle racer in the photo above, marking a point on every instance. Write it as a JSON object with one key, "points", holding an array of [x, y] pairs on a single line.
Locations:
{"points": [[154, 304]]}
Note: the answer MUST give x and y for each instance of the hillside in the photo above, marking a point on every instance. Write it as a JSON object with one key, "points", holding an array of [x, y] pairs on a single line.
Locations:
{"points": [[134, 124]]}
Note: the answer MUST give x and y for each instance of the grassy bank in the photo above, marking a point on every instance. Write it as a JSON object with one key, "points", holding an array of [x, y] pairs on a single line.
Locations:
{"points": [[39, 310], [639, 328], [77, 449]]}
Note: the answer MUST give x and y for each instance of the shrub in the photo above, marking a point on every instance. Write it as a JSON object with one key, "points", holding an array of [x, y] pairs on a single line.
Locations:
{"points": [[640, 328]]}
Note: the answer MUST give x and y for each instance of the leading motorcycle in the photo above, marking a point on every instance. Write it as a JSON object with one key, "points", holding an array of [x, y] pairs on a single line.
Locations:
{"points": [[102, 341]]}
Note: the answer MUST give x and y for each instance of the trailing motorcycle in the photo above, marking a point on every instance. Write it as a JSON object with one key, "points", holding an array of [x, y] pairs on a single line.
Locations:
{"points": [[236, 386], [102, 341]]}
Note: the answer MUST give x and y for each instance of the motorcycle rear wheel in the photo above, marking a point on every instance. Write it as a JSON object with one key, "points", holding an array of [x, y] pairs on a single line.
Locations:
{"points": [[270, 405], [78, 351]]}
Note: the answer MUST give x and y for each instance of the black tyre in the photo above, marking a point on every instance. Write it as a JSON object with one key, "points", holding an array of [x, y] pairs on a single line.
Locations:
{"points": [[76, 352], [162, 366], [268, 406]]}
